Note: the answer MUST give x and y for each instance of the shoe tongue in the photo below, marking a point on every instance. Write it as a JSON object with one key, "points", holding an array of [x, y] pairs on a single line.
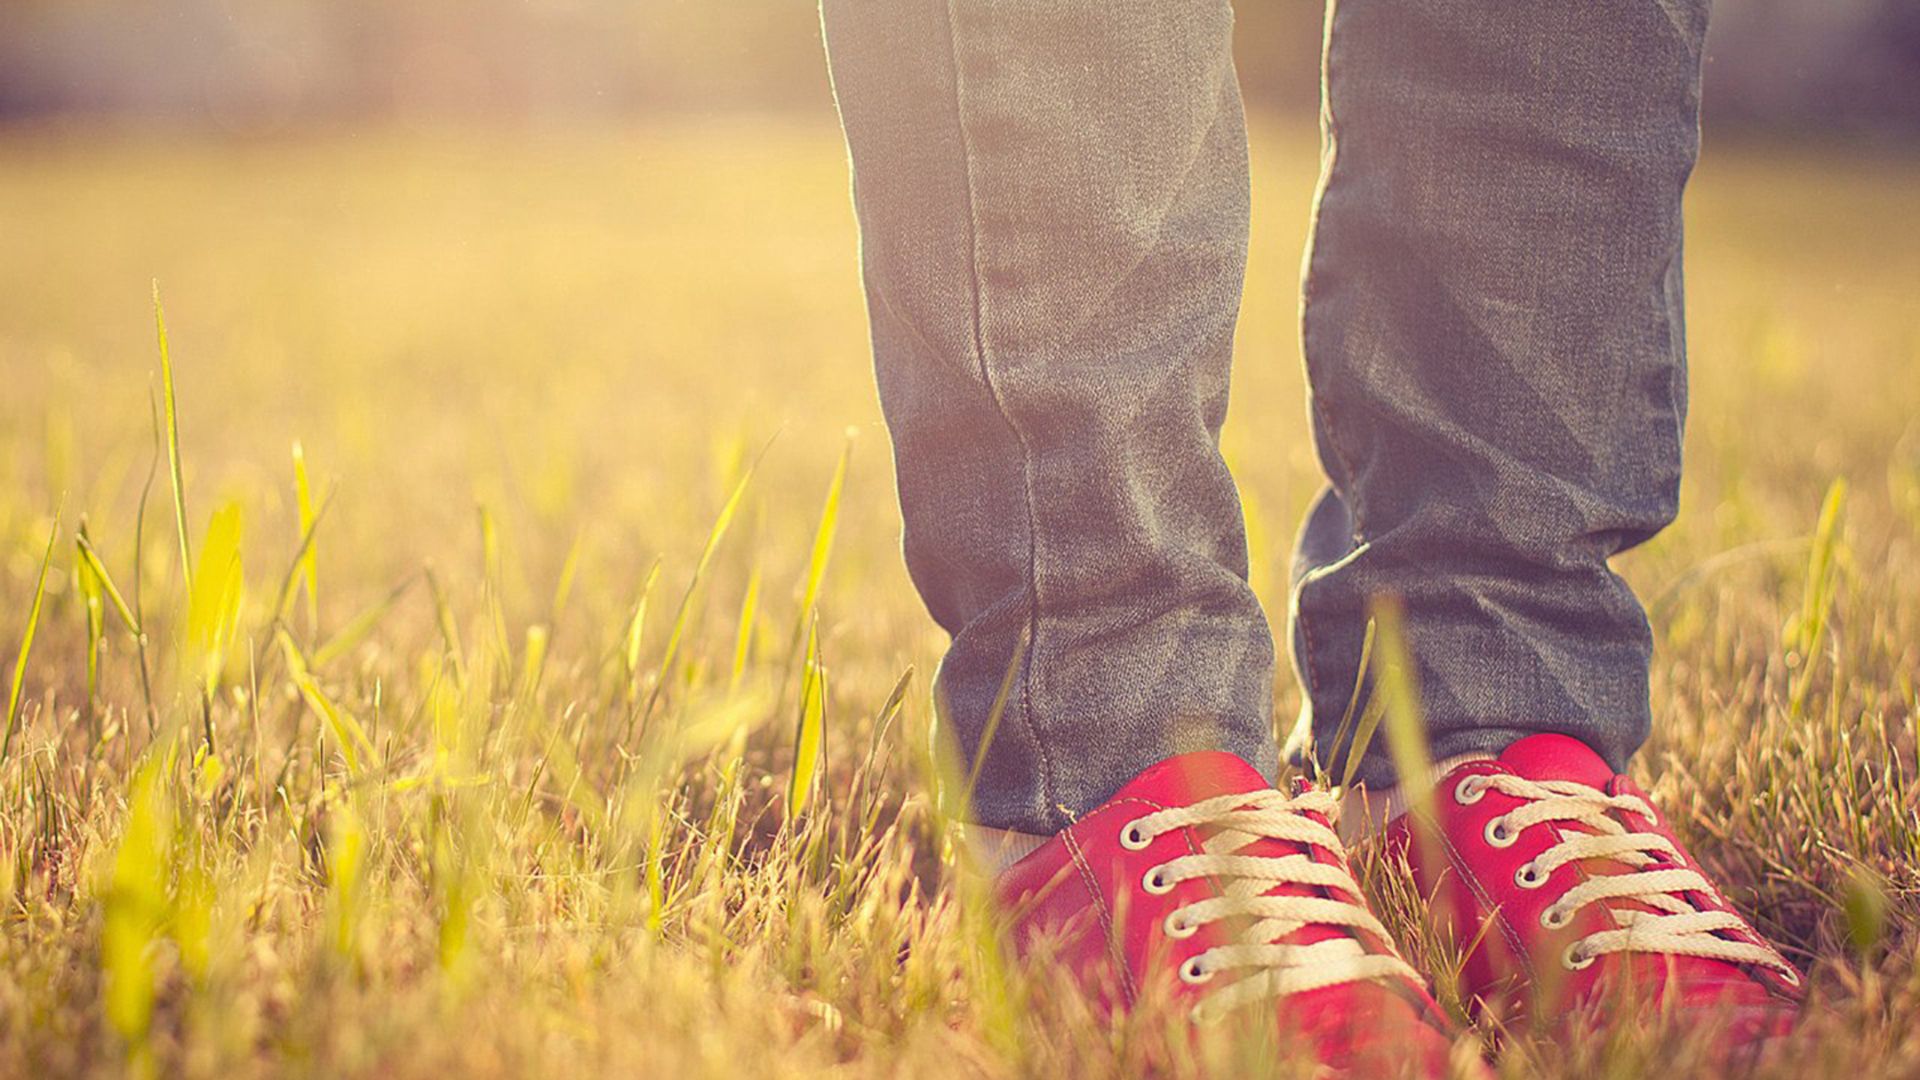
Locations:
{"points": [[1195, 777], [1557, 757]]}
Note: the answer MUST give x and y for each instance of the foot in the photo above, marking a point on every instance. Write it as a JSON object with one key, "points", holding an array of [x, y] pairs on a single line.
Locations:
{"points": [[1201, 884], [1575, 894]]}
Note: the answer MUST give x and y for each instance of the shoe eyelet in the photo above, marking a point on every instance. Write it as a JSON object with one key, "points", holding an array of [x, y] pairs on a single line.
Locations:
{"points": [[1134, 838], [1193, 972], [1529, 876], [1555, 917], [1156, 882], [1178, 928], [1576, 958], [1469, 790], [1497, 836]]}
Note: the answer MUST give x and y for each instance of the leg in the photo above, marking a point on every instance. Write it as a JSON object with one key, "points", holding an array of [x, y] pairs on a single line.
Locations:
{"points": [[1053, 206], [1494, 339]]}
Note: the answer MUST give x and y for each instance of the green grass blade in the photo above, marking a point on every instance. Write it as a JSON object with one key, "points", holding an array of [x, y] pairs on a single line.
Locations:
{"points": [[449, 630], [808, 730], [994, 715], [90, 556], [715, 535], [721, 523], [302, 568], [214, 597], [883, 720], [135, 909], [823, 535], [173, 438], [26, 638], [636, 626], [138, 620], [346, 731], [743, 638], [817, 560], [1809, 629], [1399, 693], [307, 563], [569, 571], [93, 600], [361, 625]]}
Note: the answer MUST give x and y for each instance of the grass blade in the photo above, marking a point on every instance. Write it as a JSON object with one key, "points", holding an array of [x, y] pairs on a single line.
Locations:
{"points": [[214, 595], [721, 523], [807, 733], [636, 628], [715, 535], [90, 556], [569, 570], [359, 627], [1810, 628], [306, 564], [93, 599], [817, 560], [346, 731], [302, 568], [173, 438], [823, 535], [743, 639], [26, 638], [994, 715], [135, 910], [449, 630], [1399, 694]]}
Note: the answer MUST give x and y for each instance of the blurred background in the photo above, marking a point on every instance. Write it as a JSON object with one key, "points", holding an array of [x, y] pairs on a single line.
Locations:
{"points": [[573, 263], [1793, 65]]}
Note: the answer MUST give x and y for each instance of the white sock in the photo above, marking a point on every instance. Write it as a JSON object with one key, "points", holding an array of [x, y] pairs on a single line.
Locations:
{"points": [[1366, 811], [993, 850]]}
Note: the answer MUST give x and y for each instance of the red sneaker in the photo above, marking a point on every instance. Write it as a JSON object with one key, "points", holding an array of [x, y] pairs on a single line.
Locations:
{"points": [[1200, 882], [1574, 889]]}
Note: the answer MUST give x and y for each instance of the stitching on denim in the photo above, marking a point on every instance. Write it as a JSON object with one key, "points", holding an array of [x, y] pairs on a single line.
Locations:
{"points": [[993, 393], [1332, 148]]}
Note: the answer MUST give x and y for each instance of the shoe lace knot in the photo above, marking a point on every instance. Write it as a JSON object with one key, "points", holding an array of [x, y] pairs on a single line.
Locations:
{"points": [[1271, 898], [1653, 901]]}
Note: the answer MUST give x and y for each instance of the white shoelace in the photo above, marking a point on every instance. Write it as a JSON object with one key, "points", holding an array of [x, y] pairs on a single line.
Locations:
{"points": [[1243, 880], [1675, 927]]}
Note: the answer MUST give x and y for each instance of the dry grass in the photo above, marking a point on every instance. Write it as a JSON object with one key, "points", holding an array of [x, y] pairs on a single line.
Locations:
{"points": [[459, 815]]}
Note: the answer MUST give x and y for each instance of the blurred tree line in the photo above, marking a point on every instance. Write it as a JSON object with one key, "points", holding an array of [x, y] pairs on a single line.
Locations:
{"points": [[1816, 65]]}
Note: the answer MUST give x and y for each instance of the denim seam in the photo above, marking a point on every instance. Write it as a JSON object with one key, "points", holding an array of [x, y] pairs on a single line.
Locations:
{"points": [[1676, 332], [1313, 259], [993, 392], [1310, 666]]}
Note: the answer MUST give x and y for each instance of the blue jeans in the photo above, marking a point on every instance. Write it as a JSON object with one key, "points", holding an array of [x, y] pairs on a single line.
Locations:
{"points": [[1053, 200]]}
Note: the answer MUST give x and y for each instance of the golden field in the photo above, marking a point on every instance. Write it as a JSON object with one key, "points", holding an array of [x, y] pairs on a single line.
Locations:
{"points": [[475, 747]]}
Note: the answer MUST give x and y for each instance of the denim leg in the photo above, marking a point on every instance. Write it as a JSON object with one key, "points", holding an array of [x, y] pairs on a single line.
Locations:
{"points": [[1493, 334], [1052, 198]]}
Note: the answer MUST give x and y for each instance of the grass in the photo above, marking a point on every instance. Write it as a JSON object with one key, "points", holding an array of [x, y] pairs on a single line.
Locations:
{"points": [[549, 697]]}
